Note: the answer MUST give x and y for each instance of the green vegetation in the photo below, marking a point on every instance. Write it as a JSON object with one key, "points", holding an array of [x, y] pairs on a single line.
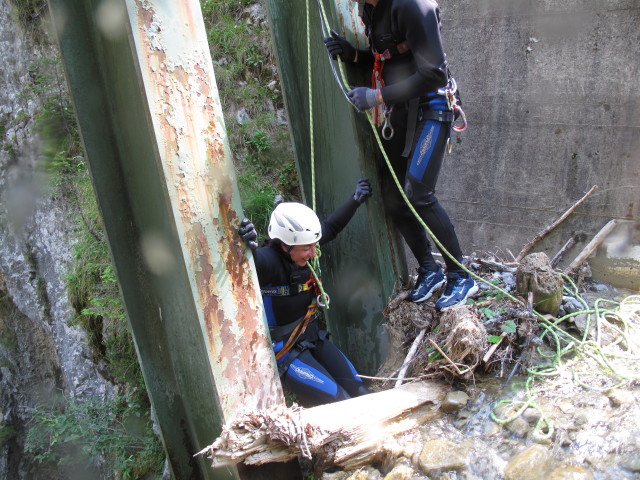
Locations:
{"points": [[114, 435], [244, 66], [30, 14], [7, 432]]}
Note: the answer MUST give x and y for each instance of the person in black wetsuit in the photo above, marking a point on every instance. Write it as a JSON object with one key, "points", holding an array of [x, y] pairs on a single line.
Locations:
{"points": [[310, 365], [408, 87]]}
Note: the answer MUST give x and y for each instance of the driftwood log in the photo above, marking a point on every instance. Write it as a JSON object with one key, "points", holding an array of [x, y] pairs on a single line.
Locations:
{"points": [[591, 246], [348, 434]]}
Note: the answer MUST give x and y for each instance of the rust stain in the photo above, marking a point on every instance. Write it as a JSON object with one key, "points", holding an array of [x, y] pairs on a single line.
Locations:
{"points": [[236, 352]]}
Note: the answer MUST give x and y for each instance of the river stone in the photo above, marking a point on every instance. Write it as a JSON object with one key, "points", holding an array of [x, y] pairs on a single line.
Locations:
{"points": [[535, 274], [336, 476], [631, 462], [518, 426], [570, 472], [530, 464], [619, 397], [400, 472], [532, 415], [454, 401], [442, 455]]}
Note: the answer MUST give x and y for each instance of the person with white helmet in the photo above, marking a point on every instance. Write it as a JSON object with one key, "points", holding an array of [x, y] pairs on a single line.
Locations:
{"points": [[310, 365]]}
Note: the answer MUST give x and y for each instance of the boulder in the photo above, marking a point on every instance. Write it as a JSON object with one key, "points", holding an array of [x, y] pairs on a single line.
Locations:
{"points": [[530, 464], [442, 455]]}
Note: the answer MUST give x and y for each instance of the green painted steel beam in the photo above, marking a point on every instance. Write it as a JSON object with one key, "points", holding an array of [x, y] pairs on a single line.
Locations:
{"points": [[145, 96], [361, 268]]}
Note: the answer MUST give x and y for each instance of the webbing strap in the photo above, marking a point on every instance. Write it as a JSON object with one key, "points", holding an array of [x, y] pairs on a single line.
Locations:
{"points": [[298, 331], [285, 290], [411, 125]]}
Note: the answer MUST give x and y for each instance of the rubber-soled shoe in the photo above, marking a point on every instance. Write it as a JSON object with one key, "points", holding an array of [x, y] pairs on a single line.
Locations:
{"points": [[457, 291], [427, 283]]}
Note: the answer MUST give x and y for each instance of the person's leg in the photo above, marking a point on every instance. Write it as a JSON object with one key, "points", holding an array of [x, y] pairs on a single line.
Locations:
{"points": [[339, 366], [404, 220], [311, 382], [422, 175]]}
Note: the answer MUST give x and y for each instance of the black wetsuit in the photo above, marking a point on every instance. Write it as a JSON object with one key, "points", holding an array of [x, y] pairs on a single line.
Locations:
{"points": [[316, 370], [416, 73]]}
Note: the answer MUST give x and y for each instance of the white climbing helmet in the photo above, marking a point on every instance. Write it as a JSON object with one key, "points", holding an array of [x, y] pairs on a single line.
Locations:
{"points": [[294, 224]]}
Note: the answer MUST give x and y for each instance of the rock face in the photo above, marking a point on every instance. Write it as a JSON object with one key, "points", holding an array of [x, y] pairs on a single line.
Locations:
{"points": [[40, 355]]}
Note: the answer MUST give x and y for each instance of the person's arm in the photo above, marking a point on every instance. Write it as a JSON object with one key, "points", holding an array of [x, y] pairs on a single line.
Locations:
{"points": [[339, 219], [420, 23]]}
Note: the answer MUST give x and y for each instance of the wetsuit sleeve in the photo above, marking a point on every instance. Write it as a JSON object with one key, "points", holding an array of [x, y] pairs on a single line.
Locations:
{"points": [[339, 219], [419, 22], [365, 59], [263, 260]]}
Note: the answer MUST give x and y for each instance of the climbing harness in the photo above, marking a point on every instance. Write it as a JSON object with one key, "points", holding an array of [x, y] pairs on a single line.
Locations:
{"points": [[298, 329], [286, 290]]}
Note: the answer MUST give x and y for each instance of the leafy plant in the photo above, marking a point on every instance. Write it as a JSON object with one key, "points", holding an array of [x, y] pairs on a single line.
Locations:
{"points": [[259, 141], [112, 435], [509, 326]]}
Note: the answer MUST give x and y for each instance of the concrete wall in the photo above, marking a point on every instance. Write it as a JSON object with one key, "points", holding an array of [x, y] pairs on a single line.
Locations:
{"points": [[550, 89]]}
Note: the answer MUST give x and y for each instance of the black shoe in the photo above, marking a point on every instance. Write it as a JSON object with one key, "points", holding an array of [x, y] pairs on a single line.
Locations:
{"points": [[427, 283]]}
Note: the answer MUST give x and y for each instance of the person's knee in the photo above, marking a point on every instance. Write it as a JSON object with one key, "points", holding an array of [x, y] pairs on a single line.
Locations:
{"points": [[418, 193]]}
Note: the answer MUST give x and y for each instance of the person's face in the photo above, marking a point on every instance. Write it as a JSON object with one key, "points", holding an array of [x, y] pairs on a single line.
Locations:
{"points": [[301, 254]]}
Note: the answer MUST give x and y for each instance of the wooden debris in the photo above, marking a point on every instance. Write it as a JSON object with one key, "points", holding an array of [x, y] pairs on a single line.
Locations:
{"points": [[536, 275], [493, 348], [591, 246], [348, 434], [498, 267], [409, 357], [565, 248], [544, 232]]}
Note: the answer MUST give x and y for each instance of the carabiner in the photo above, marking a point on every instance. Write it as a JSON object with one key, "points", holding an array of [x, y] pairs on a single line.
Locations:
{"points": [[459, 128], [386, 127], [320, 298]]}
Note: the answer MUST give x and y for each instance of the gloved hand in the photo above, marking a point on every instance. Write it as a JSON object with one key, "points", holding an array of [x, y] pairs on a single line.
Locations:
{"points": [[363, 190], [363, 98], [339, 47], [248, 234]]}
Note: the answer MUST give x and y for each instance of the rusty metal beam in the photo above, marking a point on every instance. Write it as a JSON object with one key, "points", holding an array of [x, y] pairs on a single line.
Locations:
{"points": [[145, 96]]}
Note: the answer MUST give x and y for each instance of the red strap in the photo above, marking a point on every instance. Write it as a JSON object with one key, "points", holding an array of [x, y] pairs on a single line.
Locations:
{"points": [[376, 78]]}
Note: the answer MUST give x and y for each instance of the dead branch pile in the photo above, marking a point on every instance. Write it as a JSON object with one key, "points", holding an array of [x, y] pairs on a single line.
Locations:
{"points": [[349, 434]]}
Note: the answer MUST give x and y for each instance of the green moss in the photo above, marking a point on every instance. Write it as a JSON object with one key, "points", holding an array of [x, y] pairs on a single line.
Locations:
{"points": [[7, 432]]}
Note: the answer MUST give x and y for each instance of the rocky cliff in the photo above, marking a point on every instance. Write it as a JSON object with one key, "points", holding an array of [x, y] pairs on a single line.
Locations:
{"points": [[41, 356]]}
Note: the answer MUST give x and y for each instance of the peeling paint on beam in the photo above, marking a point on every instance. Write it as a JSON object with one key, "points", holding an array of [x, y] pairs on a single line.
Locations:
{"points": [[179, 81]]}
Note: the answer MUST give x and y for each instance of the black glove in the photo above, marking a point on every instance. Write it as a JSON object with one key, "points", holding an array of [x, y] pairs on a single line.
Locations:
{"points": [[248, 234], [339, 47], [363, 98], [363, 190]]}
